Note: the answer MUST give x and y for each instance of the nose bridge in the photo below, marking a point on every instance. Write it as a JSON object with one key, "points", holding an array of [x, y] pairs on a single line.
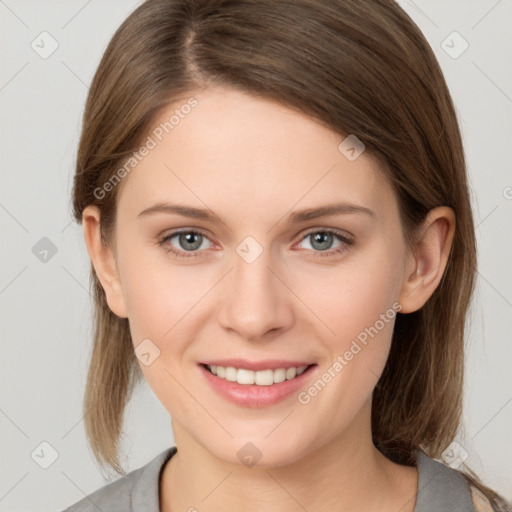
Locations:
{"points": [[256, 300]]}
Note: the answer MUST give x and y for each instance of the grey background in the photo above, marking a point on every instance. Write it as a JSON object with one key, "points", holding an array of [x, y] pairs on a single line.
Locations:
{"points": [[45, 306]]}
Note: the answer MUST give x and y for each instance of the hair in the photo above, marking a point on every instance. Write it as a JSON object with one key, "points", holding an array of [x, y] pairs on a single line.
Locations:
{"points": [[359, 67]]}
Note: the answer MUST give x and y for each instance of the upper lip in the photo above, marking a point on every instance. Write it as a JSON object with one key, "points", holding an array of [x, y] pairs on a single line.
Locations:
{"points": [[269, 364]]}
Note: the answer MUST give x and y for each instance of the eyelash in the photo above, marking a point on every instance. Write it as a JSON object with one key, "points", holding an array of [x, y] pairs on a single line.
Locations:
{"points": [[192, 254]]}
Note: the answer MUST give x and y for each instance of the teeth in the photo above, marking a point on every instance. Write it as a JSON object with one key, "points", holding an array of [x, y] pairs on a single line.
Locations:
{"points": [[260, 378]]}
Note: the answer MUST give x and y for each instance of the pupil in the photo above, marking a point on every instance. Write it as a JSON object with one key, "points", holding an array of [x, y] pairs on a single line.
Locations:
{"points": [[188, 238], [321, 238]]}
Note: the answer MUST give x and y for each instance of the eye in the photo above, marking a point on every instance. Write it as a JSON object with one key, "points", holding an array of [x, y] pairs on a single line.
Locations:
{"points": [[321, 241], [189, 240]]}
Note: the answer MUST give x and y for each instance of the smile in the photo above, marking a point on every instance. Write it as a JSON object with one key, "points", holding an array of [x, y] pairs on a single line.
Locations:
{"points": [[259, 378]]}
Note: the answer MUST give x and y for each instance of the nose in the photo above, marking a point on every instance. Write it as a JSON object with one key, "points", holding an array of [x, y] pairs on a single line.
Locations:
{"points": [[257, 304]]}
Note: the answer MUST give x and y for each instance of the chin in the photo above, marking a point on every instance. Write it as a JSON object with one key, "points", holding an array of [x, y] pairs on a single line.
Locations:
{"points": [[258, 452]]}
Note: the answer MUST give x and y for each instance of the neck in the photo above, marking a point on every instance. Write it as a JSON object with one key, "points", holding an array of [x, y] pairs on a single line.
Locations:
{"points": [[345, 473]]}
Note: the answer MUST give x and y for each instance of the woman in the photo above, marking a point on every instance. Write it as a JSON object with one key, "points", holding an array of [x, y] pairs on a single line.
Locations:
{"points": [[275, 203]]}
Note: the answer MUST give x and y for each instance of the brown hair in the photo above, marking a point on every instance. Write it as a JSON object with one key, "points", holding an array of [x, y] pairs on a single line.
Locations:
{"points": [[359, 67]]}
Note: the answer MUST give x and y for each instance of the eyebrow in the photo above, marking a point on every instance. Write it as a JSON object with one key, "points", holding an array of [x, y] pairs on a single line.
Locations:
{"points": [[294, 217]]}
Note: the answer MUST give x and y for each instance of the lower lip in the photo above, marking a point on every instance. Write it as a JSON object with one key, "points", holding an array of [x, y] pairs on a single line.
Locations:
{"points": [[252, 395]]}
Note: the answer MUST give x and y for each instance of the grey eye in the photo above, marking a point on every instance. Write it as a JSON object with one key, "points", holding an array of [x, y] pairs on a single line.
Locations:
{"points": [[321, 240], [189, 240]]}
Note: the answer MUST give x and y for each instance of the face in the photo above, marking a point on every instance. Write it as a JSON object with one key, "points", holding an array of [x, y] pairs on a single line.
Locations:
{"points": [[257, 286]]}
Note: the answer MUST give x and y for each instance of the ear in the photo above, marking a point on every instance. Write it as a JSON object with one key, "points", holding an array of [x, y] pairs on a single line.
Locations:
{"points": [[103, 261], [426, 265]]}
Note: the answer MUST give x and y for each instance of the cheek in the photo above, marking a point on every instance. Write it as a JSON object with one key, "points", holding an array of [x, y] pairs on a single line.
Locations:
{"points": [[357, 308], [163, 301], [155, 290], [160, 306], [350, 298]]}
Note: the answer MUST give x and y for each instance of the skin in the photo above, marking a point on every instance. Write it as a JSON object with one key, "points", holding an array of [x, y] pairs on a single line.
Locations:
{"points": [[252, 162]]}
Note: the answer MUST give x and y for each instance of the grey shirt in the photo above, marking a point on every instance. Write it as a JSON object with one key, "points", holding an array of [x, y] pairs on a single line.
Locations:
{"points": [[440, 489]]}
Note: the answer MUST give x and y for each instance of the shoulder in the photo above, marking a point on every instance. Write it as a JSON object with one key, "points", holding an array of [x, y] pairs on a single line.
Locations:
{"points": [[441, 487], [480, 502], [139, 487], [117, 492]]}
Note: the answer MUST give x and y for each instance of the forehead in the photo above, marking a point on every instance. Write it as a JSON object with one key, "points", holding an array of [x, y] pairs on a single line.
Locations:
{"points": [[234, 150]]}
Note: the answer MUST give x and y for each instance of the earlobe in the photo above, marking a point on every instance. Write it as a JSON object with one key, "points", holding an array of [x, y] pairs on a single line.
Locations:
{"points": [[104, 261], [425, 268]]}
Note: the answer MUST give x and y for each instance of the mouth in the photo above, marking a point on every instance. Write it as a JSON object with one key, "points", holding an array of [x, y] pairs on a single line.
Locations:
{"points": [[263, 377], [263, 385]]}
